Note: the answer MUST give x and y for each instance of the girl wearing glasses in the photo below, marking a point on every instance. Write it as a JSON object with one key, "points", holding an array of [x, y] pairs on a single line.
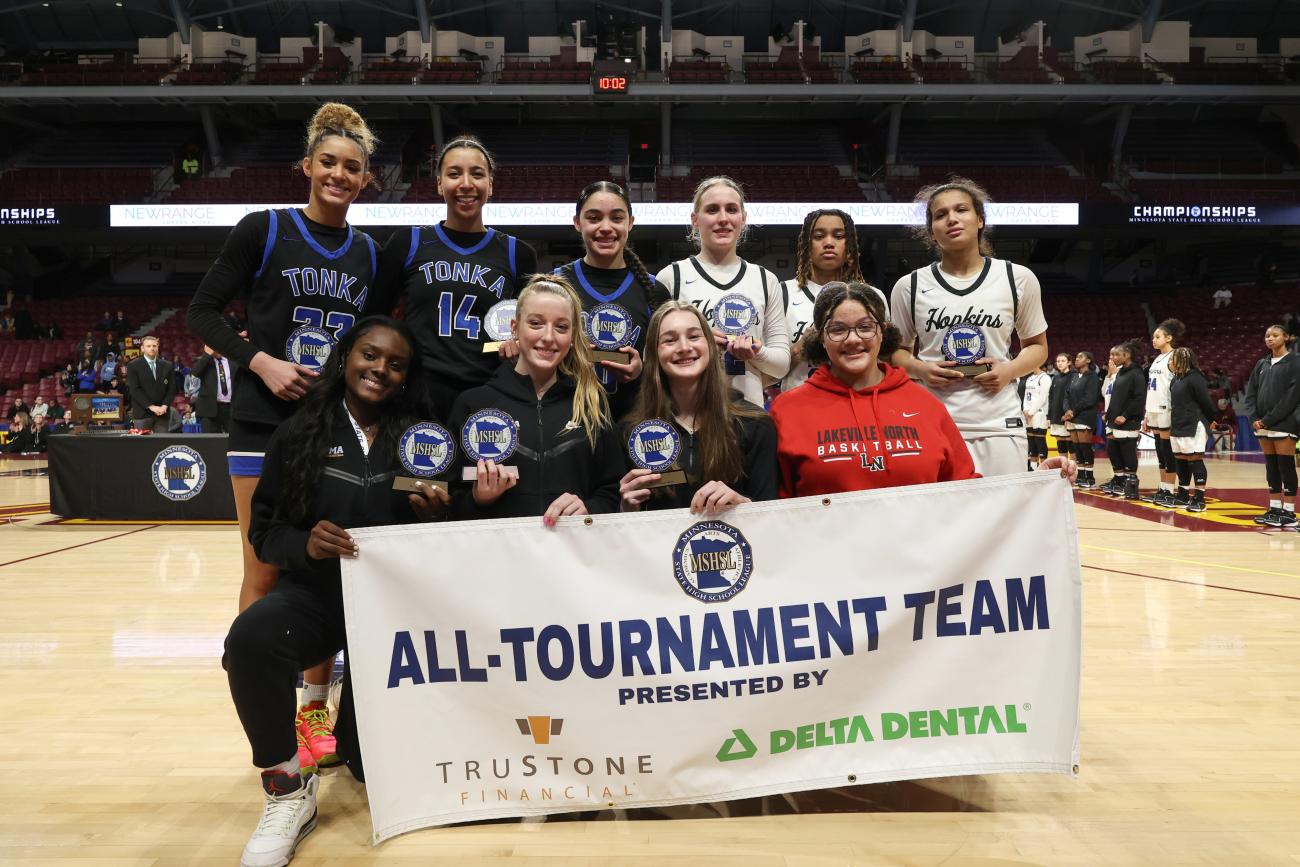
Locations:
{"points": [[860, 423]]}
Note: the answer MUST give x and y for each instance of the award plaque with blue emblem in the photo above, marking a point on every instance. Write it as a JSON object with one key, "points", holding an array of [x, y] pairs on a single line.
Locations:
{"points": [[609, 328], [425, 451], [309, 346], [489, 435], [734, 315], [654, 445], [497, 324], [965, 344]]}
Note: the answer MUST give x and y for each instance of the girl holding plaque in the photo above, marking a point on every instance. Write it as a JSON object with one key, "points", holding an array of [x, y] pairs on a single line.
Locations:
{"points": [[327, 469], [956, 318], [1272, 402], [453, 275], [279, 262], [537, 437], [1080, 416], [726, 447], [618, 294], [828, 250], [859, 423], [742, 301]]}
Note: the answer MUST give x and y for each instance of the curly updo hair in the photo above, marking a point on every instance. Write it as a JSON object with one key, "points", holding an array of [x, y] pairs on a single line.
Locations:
{"points": [[335, 118], [828, 301]]}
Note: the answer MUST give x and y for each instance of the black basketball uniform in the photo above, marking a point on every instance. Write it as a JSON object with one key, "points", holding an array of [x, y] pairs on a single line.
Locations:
{"points": [[451, 279], [305, 285], [613, 288]]}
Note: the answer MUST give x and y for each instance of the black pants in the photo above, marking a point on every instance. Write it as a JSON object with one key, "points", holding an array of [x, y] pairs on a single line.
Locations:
{"points": [[291, 628], [220, 423]]}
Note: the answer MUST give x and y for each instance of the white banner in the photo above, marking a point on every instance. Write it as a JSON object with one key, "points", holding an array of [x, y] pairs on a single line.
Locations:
{"points": [[501, 668], [561, 214]]}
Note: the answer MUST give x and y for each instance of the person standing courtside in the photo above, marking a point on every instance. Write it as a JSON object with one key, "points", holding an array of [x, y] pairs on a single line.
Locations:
{"points": [[216, 374], [151, 382]]}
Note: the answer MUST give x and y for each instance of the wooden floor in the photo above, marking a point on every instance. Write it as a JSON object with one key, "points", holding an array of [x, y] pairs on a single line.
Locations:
{"points": [[119, 744]]}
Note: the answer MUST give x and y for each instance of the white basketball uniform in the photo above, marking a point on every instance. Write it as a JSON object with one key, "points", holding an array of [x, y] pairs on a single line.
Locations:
{"points": [[799, 317], [1037, 386], [1159, 409], [1107, 389], [691, 280], [1003, 298]]}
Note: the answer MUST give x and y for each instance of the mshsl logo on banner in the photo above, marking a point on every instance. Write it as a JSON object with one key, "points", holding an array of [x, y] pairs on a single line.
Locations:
{"points": [[501, 668]]}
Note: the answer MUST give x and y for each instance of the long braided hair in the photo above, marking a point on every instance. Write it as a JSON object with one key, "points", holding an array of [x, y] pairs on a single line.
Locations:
{"points": [[655, 294], [309, 431], [851, 270]]}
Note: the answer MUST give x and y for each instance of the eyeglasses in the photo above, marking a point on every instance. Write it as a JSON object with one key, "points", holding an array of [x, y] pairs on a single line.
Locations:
{"points": [[839, 332]]}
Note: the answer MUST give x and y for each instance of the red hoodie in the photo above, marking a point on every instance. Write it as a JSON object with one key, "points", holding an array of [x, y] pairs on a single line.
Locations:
{"points": [[831, 438]]}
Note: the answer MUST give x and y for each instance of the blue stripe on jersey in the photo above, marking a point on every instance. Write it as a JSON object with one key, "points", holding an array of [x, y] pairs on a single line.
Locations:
{"points": [[244, 464], [510, 247], [272, 229], [415, 245], [314, 244], [462, 250], [590, 290], [374, 258]]}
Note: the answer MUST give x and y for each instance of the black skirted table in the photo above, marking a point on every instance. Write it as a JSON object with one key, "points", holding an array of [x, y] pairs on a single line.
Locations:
{"points": [[161, 477]]}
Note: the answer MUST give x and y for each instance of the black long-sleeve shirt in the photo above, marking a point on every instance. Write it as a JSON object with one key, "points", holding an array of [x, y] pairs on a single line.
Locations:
{"points": [[1127, 398], [1081, 396], [761, 480], [1273, 393], [553, 456], [355, 490], [1189, 395]]}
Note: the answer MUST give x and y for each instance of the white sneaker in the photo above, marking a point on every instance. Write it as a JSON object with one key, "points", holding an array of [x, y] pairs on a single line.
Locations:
{"points": [[285, 821]]}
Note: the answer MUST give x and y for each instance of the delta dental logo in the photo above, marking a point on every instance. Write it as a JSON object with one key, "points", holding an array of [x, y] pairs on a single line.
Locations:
{"points": [[949, 722], [29, 217], [1225, 214], [536, 779]]}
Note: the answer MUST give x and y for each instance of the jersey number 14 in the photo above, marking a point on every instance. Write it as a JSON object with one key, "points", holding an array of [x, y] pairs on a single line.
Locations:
{"points": [[456, 317]]}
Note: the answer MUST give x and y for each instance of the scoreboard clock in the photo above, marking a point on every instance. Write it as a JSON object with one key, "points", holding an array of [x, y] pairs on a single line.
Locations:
{"points": [[611, 84]]}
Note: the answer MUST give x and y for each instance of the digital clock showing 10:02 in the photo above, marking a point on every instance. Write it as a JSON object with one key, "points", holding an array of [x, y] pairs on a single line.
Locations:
{"points": [[612, 83]]}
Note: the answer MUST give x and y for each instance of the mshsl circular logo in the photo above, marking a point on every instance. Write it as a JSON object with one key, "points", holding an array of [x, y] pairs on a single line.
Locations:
{"points": [[309, 346], [963, 344], [425, 449], [712, 561], [490, 435], [179, 473], [609, 327], [734, 314]]}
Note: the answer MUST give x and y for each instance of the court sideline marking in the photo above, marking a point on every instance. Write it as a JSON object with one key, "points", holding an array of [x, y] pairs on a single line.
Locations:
{"points": [[82, 545], [1191, 583], [1131, 553]]}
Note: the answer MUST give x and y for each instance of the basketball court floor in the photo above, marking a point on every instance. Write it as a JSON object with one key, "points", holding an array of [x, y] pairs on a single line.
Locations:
{"points": [[119, 744]]}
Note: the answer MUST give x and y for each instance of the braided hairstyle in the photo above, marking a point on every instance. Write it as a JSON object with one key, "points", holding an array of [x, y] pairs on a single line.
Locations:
{"points": [[655, 294], [851, 270]]}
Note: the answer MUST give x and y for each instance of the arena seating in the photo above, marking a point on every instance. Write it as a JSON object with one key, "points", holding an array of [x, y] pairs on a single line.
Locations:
{"points": [[208, 73], [1092, 322], [1239, 73], [1232, 337], [1121, 72], [1199, 149], [290, 70], [944, 71], [1068, 73], [883, 71], [703, 71], [75, 186], [1022, 68], [550, 70], [97, 74], [1221, 192], [451, 72]]}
